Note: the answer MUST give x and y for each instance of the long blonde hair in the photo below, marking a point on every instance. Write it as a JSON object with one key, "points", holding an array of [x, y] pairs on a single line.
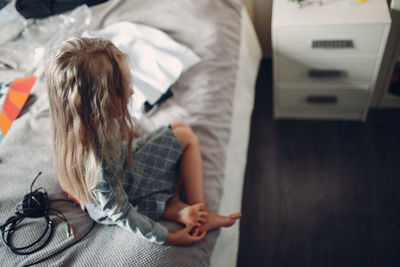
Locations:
{"points": [[88, 83]]}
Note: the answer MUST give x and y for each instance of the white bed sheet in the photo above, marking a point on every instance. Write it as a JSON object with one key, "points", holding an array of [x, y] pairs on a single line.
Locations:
{"points": [[226, 248]]}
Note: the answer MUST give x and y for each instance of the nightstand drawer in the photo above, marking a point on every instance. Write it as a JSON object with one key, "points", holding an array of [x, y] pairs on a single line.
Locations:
{"points": [[329, 98], [325, 70], [351, 40]]}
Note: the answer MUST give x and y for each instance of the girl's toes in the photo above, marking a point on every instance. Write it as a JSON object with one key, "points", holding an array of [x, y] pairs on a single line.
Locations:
{"points": [[202, 220], [204, 214], [235, 216]]}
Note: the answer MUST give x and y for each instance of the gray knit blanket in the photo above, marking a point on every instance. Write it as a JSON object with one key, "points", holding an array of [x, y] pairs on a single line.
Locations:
{"points": [[203, 97]]}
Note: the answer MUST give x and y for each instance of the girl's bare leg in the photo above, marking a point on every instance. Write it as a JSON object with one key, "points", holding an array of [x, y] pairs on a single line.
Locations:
{"points": [[191, 178], [191, 165], [191, 175]]}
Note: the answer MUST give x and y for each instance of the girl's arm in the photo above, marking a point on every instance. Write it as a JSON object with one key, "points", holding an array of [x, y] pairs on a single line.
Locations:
{"points": [[125, 216], [186, 236], [108, 211]]}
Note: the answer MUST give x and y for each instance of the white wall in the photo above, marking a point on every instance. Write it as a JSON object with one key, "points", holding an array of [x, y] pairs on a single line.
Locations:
{"points": [[260, 12], [391, 55], [262, 23]]}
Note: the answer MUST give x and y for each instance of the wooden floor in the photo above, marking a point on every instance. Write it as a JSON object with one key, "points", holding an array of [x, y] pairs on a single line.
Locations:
{"points": [[320, 193]]}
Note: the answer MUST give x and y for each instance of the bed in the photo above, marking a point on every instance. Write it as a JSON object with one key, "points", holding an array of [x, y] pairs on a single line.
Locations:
{"points": [[215, 97]]}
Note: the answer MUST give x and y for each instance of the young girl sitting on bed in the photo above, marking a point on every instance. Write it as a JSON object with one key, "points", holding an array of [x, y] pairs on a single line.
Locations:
{"points": [[119, 179]]}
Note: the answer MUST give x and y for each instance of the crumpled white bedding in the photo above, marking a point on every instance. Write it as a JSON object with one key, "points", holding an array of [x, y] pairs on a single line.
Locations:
{"points": [[156, 60], [203, 97]]}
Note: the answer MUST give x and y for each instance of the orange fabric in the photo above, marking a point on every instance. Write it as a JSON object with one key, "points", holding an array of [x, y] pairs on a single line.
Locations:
{"points": [[10, 109], [18, 98], [15, 100], [5, 123], [23, 85]]}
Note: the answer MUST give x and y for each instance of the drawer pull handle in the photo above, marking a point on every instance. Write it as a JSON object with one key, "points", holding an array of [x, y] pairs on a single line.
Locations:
{"points": [[321, 99], [332, 44], [325, 74]]}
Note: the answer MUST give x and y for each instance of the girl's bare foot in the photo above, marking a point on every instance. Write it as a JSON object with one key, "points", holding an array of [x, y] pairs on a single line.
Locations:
{"points": [[193, 214], [216, 221], [183, 213]]}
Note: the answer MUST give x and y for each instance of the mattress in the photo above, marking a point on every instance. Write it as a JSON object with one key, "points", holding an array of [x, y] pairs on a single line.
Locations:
{"points": [[250, 54], [215, 97]]}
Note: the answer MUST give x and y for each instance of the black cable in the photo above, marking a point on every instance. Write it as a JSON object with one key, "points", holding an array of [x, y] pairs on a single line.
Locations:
{"points": [[63, 249], [36, 204]]}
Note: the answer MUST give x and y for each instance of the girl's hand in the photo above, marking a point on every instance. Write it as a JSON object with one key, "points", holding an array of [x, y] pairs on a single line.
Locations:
{"points": [[186, 236]]}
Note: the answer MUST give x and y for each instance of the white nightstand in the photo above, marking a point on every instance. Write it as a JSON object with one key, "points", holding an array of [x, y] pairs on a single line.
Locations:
{"points": [[326, 58]]}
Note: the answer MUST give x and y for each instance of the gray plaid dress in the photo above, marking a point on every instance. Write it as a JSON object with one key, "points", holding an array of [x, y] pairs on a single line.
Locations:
{"points": [[153, 178], [148, 184]]}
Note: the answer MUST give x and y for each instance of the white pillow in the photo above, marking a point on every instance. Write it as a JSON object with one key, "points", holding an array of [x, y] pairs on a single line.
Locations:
{"points": [[157, 60]]}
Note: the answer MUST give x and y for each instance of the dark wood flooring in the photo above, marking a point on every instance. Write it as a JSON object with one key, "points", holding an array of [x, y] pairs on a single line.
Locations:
{"points": [[320, 193]]}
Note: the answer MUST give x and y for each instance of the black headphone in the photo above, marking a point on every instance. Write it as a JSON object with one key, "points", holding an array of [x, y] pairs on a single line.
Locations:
{"points": [[36, 204]]}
